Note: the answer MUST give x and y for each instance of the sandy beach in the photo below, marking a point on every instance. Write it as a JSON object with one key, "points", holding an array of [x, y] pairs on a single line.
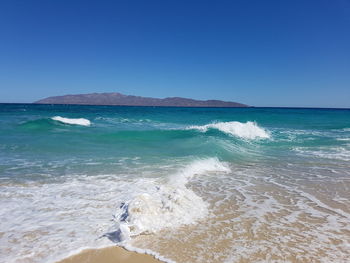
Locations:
{"points": [[109, 255]]}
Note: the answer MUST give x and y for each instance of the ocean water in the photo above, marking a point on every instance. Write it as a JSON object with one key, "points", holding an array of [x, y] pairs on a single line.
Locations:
{"points": [[185, 184]]}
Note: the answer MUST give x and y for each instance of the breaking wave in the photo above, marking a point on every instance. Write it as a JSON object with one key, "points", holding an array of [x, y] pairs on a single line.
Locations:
{"points": [[248, 130], [80, 121], [168, 205]]}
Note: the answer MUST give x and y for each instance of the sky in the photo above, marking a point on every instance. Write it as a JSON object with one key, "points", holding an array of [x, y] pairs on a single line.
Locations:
{"points": [[293, 53]]}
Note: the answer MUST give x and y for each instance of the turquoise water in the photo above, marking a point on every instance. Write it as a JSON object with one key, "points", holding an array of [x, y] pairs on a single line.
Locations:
{"points": [[57, 177], [156, 135]]}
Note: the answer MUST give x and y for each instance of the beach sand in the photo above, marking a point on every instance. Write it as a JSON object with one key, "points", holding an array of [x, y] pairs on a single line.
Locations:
{"points": [[109, 255]]}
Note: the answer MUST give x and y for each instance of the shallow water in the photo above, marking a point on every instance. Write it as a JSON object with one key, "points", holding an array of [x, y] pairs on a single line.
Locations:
{"points": [[190, 184]]}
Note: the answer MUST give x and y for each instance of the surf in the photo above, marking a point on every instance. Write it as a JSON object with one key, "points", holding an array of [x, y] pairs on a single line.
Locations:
{"points": [[168, 205], [249, 130], [79, 121]]}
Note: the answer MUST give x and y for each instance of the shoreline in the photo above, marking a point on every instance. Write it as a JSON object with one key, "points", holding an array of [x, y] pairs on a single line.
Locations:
{"points": [[112, 254]]}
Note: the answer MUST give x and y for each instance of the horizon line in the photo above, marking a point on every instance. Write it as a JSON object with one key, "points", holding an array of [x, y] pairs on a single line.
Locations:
{"points": [[248, 106]]}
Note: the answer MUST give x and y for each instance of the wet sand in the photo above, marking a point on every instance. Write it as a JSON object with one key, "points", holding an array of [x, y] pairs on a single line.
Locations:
{"points": [[109, 255]]}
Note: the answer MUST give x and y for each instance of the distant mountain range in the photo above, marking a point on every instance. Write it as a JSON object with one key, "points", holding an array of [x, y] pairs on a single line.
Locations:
{"points": [[127, 100]]}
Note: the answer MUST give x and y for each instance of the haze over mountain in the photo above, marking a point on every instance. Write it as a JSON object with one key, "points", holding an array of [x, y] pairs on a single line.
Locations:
{"points": [[128, 100]]}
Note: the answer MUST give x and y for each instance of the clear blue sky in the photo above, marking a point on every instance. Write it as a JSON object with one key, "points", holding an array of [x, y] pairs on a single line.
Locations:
{"points": [[263, 53]]}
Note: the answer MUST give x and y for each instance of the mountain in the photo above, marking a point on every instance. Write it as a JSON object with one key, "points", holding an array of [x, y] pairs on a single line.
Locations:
{"points": [[127, 100]]}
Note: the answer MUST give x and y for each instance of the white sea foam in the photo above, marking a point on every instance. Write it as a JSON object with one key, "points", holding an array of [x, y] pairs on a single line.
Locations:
{"points": [[248, 130], [74, 215], [148, 252], [79, 121], [343, 139], [337, 153], [288, 214], [58, 218], [167, 205]]}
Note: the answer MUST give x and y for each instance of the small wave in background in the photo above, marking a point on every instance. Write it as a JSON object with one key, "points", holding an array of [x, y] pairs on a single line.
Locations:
{"points": [[80, 121], [248, 130]]}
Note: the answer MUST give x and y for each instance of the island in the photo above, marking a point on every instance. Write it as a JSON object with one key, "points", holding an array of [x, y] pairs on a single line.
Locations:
{"points": [[119, 99]]}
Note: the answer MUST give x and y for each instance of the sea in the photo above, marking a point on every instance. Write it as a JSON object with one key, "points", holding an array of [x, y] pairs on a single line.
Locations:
{"points": [[183, 184]]}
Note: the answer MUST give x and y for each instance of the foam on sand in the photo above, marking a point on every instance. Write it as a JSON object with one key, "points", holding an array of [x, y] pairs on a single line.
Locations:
{"points": [[79, 121], [74, 214], [248, 130]]}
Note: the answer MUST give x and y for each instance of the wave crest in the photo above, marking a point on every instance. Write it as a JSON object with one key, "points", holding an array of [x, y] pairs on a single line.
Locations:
{"points": [[248, 130], [79, 121], [198, 167]]}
